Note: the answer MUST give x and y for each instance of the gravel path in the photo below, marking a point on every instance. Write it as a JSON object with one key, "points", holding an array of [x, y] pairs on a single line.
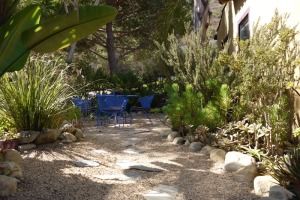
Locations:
{"points": [[51, 174]]}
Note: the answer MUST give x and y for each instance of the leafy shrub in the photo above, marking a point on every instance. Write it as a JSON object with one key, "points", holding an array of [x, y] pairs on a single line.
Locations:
{"points": [[188, 109], [286, 171], [32, 98]]}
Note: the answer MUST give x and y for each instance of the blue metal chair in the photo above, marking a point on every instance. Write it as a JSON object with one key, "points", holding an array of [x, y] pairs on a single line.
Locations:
{"points": [[145, 106], [85, 105], [117, 106]]}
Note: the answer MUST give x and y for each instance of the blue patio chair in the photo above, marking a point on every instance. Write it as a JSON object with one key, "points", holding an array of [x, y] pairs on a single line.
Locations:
{"points": [[85, 105], [101, 114], [117, 107], [145, 106]]}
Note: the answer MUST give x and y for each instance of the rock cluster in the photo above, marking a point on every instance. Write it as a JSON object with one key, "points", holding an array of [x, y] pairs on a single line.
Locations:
{"points": [[242, 167], [10, 159]]}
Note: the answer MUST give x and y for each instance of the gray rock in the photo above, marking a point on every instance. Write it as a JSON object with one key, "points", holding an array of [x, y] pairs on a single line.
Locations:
{"points": [[246, 174], [8, 185], [162, 192], [129, 165], [120, 177], [267, 198], [164, 120], [27, 136], [235, 160], [133, 151], [12, 155], [26, 147], [262, 185], [217, 155], [195, 146], [47, 136], [280, 193], [178, 140], [16, 171], [169, 123], [86, 163], [69, 136], [187, 143], [172, 136], [78, 134], [207, 149]]}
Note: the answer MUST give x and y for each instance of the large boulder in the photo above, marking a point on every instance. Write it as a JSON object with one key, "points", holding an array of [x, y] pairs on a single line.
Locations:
{"points": [[47, 136], [217, 155], [262, 185], [12, 155], [27, 136], [235, 161], [8, 185], [195, 146], [172, 136]]}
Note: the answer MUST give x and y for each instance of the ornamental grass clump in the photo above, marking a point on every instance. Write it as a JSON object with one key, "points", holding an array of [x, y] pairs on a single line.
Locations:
{"points": [[32, 98], [286, 171]]}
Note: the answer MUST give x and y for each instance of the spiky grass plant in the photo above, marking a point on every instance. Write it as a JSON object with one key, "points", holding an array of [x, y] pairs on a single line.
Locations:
{"points": [[31, 98], [286, 171]]}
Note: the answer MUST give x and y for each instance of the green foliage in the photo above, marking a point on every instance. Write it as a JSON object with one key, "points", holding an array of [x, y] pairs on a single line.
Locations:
{"points": [[286, 170], [32, 98], [193, 62], [22, 32], [260, 73], [125, 81], [188, 108]]}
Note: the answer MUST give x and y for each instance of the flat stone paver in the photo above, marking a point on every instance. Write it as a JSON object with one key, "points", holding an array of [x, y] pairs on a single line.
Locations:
{"points": [[130, 143], [129, 165], [99, 152], [134, 151], [86, 163], [162, 192], [120, 177]]}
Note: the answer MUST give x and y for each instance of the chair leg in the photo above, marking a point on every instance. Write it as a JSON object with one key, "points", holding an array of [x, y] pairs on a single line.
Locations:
{"points": [[148, 117], [130, 118]]}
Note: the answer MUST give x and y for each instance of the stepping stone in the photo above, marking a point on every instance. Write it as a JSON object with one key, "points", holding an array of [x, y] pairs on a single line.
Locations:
{"points": [[140, 131], [128, 165], [162, 192], [98, 152], [120, 177], [130, 143], [133, 151], [86, 163]]}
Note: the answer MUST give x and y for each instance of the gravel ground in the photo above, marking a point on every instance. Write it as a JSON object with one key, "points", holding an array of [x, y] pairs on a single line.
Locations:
{"points": [[51, 174]]}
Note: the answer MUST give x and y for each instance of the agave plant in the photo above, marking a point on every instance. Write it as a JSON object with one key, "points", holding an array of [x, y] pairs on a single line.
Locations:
{"points": [[287, 171], [22, 32], [34, 97]]}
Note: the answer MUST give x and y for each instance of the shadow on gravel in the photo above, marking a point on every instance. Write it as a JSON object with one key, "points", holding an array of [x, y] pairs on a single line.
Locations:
{"points": [[47, 176]]}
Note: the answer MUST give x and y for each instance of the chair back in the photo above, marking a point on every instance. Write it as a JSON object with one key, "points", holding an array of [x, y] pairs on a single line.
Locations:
{"points": [[101, 101], [116, 102], [146, 101], [83, 104]]}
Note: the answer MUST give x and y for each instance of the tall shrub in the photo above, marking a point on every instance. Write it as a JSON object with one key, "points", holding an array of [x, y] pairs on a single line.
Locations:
{"points": [[31, 98]]}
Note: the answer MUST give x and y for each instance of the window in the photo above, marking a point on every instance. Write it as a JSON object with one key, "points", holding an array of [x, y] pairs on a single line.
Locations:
{"points": [[244, 31]]}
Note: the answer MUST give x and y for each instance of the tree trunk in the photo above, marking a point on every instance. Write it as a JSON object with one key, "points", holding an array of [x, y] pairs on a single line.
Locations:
{"points": [[201, 17], [111, 54]]}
